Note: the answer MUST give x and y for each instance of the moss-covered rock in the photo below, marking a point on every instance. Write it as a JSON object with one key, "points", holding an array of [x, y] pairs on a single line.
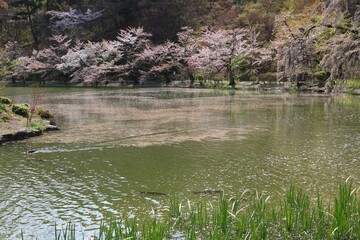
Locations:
{"points": [[4, 118], [5, 100], [21, 109]]}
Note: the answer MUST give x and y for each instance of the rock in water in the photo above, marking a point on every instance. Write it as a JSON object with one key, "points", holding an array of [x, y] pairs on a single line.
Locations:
{"points": [[51, 128]]}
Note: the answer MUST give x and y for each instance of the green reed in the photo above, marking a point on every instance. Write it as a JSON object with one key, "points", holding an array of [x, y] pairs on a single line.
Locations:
{"points": [[67, 232], [295, 217]]}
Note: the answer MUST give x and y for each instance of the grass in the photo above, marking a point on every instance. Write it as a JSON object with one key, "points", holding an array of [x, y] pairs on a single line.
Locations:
{"points": [[350, 84], [295, 217]]}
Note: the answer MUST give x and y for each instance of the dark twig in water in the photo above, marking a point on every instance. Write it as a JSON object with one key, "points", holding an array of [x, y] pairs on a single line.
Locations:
{"points": [[153, 193], [208, 191]]}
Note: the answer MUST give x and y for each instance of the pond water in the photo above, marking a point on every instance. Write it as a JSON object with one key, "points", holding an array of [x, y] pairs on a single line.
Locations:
{"points": [[115, 144]]}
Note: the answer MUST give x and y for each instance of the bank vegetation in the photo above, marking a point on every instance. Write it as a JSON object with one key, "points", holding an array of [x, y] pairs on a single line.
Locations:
{"points": [[297, 215]]}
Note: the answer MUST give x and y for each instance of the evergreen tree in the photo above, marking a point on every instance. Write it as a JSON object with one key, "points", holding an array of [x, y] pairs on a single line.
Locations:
{"points": [[24, 10]]}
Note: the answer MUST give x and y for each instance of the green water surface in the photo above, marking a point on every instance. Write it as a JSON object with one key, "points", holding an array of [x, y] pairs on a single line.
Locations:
{"points": [[115, 144]]}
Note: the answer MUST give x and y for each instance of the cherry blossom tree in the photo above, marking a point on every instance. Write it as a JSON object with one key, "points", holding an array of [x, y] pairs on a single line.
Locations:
{"points": [[186, 49], [219, 51], [86, 61], [95, 62], [132, 42], [133, 57], [210, 52], [159, 61], [41, 65]]}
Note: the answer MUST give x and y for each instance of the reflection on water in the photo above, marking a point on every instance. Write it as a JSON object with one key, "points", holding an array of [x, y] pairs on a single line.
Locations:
{"points": [[115, 144]]}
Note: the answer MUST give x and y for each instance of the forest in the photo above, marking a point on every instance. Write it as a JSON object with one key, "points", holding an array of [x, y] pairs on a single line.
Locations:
{"points": [[308, 45]]}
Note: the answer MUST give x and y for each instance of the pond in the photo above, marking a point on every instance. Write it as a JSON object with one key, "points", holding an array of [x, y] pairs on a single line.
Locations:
{"points": [[118, 146]]}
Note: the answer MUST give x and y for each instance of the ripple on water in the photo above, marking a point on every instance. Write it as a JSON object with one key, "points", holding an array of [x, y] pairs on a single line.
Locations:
{"points": [[116, 144]]}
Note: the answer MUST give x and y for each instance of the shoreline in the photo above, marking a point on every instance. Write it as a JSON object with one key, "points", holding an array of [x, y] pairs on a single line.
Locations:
{"points": [[24, 134], [270, 87]]}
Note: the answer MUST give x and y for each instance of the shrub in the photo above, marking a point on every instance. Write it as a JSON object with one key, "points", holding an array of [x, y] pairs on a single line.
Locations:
{"points": [[37, 127], [244, 77], [352, 93], [345, 22], [21, 109], [44, 114], [254, 79], [294, 89], [5, 100], [267, 77], [321, 76], [199, 76], [325, 35], [352, 83]]}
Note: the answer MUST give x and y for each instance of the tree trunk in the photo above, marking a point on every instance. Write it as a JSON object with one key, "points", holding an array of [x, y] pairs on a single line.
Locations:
{"points": [[36, 40], [230, 74], [192, 79]]}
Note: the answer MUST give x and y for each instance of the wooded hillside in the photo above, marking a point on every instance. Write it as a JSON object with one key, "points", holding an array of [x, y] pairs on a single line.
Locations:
{"points": [[309, 43]]}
